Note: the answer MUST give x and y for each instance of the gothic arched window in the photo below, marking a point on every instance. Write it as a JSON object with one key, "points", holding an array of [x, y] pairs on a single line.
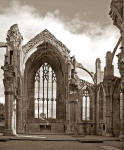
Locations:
{"points": [[45, 92], [86, 105]]}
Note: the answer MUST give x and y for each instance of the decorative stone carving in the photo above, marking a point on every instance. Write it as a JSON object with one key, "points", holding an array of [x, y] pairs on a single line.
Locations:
{"points": [[8, 77], [3, 44], [14, 37], [121, 62], [73, 85], [8, 72], [47, 37], [83, 83], [11, 74]]}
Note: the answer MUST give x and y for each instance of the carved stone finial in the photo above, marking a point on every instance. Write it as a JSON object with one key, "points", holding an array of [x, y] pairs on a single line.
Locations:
{"points": [[14, 37], [109, 59]]}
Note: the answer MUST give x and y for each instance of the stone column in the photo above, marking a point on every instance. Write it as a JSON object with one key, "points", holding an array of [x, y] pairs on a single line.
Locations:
{"points": [[122, 110], [117, 15], [9, 98], [109, 130], [12, 75], [74, 115], [94, 95], [108, 85], [121, 69], [8, 113], [19, 112]]}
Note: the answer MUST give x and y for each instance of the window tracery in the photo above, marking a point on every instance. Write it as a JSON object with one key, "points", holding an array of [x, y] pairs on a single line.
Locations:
{"points": [[45, 92]]}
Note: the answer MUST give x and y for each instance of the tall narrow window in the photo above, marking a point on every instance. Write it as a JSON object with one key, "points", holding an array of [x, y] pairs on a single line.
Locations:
{"points": [[45, 92], [85, 105]]}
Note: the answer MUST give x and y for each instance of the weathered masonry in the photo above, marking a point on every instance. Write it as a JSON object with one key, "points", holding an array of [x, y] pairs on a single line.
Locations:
{"points": [[43, 92]]}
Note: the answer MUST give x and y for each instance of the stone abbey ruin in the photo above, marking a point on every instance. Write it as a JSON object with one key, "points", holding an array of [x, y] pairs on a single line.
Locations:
{"points": [[43, 92]]}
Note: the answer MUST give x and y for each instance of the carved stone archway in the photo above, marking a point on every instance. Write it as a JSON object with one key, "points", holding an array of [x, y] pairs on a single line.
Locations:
{"points": [[50, 54], [20, 67]]}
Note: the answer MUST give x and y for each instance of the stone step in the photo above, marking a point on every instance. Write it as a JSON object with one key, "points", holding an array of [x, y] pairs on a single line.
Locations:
{"points": [[45, 133], [90, 140], [110, 148], [43, 138], [4, 139]]}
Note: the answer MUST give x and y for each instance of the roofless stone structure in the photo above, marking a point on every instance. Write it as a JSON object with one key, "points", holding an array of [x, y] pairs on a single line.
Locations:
{"points": [[43, 92]]}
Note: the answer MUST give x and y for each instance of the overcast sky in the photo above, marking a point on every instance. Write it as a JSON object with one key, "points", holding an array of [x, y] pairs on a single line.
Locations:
{"points": [[84, 26]]}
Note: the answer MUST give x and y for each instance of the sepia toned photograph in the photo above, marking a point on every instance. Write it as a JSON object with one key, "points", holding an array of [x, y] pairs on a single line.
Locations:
{"points": [[61, 75]]}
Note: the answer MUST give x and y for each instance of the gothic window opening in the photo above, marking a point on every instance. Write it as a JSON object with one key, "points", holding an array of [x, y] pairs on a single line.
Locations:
{"points": [[86, 106], [45, 92]]}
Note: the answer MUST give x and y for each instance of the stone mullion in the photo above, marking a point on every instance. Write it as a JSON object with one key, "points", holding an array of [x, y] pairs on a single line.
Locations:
{"points": [[94, 109], [97, 113], [52, 96], [85, 107]]}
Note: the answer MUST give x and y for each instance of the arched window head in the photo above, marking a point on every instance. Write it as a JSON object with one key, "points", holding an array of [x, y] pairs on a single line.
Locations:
{"points": [[45, 92]]}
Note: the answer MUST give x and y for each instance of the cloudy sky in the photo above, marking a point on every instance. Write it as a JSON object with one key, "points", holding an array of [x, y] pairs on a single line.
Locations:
{"points": [[84, 26]]}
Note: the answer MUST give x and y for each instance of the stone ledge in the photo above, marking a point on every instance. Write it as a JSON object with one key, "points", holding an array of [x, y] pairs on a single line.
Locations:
{"points": [[90, 141]]}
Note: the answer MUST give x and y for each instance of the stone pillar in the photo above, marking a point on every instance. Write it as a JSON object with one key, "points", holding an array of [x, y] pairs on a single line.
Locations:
{"points": [[9, 98], [99, 73], [117, 15], [67, 96], [12, 76], [108, 86], [121, 69], [109, 129], [8, 113], [94, 96], [19, 112], [122, 110], [74, 114]]}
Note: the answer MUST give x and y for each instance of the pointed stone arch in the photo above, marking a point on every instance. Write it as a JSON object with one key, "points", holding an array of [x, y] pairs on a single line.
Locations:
{"points": [[55, 54]]}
